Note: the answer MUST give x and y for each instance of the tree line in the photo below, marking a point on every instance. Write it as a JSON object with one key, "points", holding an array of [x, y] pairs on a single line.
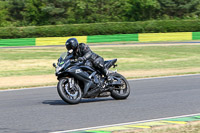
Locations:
{"points": [[55, 12]]}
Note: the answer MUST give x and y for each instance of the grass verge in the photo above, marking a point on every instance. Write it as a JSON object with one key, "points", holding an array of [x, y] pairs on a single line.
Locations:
{"points": [[27, 67], [191, 127]]}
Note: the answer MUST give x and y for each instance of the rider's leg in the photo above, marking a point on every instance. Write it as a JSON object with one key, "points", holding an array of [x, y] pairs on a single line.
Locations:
{"points": [[99, 63]]}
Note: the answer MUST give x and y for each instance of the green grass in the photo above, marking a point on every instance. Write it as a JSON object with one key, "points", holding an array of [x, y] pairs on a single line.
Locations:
{"points": [[29, 53], [153, 57], [38, 61], [28, 61]]}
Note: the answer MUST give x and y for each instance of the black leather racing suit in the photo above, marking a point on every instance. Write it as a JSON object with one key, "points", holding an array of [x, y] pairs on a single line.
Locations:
{"points": [[84, 51]]}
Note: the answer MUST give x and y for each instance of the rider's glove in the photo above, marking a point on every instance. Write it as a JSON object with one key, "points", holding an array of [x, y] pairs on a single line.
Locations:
{"points": [[80, 59]]}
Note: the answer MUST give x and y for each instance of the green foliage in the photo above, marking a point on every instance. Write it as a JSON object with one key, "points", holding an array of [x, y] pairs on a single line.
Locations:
{"points": [[180, 8], [54, 12], [154, 26], [3, 14], [32, 12], [143, 9]]}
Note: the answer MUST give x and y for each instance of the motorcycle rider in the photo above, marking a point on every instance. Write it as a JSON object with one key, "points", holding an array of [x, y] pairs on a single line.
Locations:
{"points": [[82, 52]]}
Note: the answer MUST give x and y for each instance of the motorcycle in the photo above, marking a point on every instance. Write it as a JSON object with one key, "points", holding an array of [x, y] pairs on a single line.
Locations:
{"points": [[79, 80]]}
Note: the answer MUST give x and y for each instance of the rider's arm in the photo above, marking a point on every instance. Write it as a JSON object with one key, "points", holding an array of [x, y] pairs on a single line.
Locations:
{"points": [[68, 54], [71, 55], [87, 53]]}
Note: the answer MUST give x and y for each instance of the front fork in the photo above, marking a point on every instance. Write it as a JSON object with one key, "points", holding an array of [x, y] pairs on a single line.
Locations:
{"points": [[70, 87], [71, 82]]}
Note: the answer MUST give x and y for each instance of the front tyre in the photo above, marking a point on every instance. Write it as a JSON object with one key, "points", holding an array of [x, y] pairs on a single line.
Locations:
{"points": [[71, 95], [122, 91]]}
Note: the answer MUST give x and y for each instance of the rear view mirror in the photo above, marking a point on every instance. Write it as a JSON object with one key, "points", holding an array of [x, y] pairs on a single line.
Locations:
{"points": [[54, 65]]}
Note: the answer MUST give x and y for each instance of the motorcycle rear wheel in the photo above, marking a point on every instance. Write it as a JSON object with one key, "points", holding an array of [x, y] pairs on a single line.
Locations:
{"points": [[121, 92], [69, 95]]}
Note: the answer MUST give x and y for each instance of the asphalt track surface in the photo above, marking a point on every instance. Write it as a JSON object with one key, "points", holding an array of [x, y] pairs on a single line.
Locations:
{"points": [[41, 109]]}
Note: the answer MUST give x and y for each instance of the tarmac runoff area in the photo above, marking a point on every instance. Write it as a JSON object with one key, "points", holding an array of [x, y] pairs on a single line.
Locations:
{"points": [[139, 125], [42, 110]]}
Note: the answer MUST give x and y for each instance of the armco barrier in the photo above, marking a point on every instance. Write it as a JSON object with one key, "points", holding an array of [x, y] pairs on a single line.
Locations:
{"points": [[140, 37], [195, 35], [177, 36], [57, 40], [18, 42], [112, 38]]}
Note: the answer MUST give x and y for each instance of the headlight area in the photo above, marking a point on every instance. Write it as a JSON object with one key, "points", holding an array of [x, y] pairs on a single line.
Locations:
{"points": [[59, 68]]}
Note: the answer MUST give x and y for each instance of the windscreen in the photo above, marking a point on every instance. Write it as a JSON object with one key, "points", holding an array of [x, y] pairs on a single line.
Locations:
{"points": [[62, 58], [63, 55]]}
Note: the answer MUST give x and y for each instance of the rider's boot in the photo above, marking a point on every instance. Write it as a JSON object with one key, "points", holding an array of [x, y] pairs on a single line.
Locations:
{"points": [[106, 74]]}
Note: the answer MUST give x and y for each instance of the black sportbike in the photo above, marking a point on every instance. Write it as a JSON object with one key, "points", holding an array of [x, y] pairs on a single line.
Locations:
{"points": [[80, 80]]}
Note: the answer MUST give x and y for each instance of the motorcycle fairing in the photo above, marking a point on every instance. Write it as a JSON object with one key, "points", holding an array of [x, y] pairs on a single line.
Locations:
{"points": [[87, 68], [79, 74]]}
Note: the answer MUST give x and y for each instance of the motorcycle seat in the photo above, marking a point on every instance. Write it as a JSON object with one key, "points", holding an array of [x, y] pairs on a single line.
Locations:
{"points": [[109, 63]]}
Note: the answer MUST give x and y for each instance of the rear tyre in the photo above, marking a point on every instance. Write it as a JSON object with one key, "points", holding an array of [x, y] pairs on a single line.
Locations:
{"points": [[122, 91], [70, 95]]}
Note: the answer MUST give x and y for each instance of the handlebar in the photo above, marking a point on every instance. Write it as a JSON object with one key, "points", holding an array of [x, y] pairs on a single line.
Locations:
{"points": [[76, 62]]}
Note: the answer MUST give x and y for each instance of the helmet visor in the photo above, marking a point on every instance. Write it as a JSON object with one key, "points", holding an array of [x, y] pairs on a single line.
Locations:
{"points": [[68, 46]]}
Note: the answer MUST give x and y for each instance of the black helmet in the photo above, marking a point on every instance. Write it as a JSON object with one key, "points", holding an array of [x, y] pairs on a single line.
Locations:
{"points": [[71, 43]]}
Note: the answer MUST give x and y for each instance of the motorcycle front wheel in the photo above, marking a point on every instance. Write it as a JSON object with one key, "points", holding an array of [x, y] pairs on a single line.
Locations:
{"points": [[71, 95], [122, 91]]}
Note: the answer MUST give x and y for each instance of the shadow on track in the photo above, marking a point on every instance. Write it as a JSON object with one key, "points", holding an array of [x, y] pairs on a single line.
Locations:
{"points": [[55, 102], [61, 102]]}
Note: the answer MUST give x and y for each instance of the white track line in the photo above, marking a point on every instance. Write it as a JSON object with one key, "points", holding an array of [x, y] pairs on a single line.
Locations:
{"points": [[27, 88], [120, 124], [175, 76], [187, 75]]}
